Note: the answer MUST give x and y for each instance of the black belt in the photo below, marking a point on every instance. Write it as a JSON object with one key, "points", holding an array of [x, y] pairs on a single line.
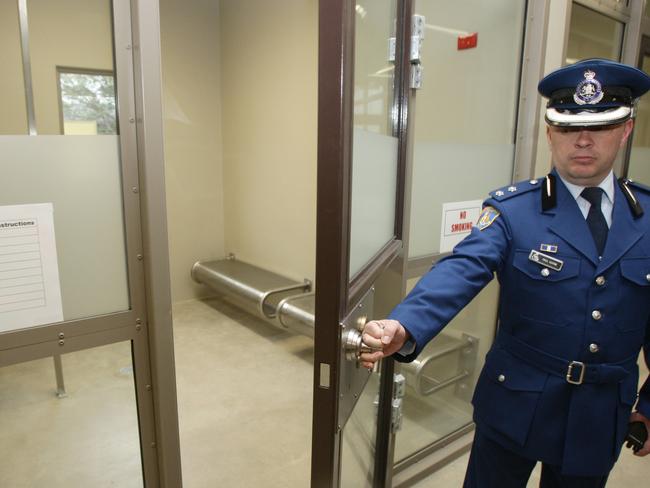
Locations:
{"points": [[574, 372]]}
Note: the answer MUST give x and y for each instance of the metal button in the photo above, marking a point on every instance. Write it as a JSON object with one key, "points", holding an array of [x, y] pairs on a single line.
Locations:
{"points": [[512, 189], [596, 315], [545, 272], [600, 281], [594, 348], [499, 193], [501, 378], [534, 182], [647, 277]]}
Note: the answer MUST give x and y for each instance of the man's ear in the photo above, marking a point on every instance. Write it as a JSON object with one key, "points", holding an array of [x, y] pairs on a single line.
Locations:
{"points": [[627, 130]]}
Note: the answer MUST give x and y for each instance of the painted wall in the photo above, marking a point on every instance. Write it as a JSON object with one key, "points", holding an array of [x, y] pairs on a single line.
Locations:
{"points": [[12, 93], [559, 18], [240, 100], [269, 93], [193, 144], [70, 33]]}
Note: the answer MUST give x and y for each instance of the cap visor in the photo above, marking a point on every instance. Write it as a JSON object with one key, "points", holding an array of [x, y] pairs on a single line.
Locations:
{"points": [[586, 119]]}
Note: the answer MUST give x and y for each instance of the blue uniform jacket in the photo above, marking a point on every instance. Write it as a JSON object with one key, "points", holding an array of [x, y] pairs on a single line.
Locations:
{"points": [[593, 311]]}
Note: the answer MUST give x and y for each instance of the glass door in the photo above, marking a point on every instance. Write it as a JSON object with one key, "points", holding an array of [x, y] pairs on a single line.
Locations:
{"points": [[76, 386], [463, 147], [360, 178]]}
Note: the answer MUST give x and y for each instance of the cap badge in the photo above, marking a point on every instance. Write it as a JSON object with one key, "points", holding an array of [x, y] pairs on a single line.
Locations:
{"points": [[589, 91]]}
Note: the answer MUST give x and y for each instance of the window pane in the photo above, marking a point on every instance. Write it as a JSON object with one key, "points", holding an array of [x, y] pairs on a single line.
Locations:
{"points": [[374, 160], [80, 177], [87, 103], [593, 35], [464, 147]]}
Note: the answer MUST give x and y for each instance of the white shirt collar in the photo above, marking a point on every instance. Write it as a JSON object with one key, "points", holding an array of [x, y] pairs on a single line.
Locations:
{"points": [[607, 185]]}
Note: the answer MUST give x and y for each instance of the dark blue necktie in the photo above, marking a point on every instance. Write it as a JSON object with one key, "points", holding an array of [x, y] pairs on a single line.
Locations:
{"points": [[595, 218]]}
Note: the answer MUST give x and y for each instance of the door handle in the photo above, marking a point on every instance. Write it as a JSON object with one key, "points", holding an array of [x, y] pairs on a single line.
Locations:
{"points": [[354, 345]]}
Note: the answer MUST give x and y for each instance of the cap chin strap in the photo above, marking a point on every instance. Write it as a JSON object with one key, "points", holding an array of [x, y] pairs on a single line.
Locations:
{"points": [[586, 119]]}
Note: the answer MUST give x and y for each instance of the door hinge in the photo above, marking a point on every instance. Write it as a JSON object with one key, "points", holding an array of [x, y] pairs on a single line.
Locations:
{"points": [[416, 76], [418, 24], [399, 390]]}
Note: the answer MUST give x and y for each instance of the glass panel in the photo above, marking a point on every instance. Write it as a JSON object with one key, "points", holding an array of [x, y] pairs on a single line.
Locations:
{"points": [[88, 438], [639, 168], [593, 35], [431, 412], [80, 176], [359, 435], [463, 148], [374, 161]]}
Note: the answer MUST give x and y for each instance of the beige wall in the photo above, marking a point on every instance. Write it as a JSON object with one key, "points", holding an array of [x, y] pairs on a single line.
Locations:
{"points": [[559, 18], [193, 146], [269, 93], [240, 97], [70, 33], [12, 94]]}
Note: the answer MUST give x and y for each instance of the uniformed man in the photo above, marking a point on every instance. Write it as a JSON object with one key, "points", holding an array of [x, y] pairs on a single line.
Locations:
{"points": [[571, 252]]}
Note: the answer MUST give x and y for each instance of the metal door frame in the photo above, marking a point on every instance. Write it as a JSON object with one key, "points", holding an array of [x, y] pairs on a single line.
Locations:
{"points": [[337, 293], [136, 30]]}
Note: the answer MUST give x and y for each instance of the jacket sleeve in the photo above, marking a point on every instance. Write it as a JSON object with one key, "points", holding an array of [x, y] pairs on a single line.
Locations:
{"points": [[453, 282], [643, 405]]}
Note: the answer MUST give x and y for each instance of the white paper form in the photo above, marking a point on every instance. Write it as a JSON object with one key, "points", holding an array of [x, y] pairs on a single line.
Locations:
{"points": [[30, 292]]}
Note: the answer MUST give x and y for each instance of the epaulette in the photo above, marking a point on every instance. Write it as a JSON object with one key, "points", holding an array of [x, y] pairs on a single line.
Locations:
{"points": [[635, 184], [626, 187], [515, 189]]}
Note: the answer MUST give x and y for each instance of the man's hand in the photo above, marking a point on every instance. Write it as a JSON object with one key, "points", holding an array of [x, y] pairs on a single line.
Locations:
{"points": [[637, 417], [389, 335]]}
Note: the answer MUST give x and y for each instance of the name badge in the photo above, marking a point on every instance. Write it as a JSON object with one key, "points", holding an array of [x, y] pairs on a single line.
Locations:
{"points": [[546, 260]]}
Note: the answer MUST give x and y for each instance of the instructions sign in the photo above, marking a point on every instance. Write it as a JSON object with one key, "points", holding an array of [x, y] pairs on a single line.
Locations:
{"points": [[457, 221], [30, 292]]}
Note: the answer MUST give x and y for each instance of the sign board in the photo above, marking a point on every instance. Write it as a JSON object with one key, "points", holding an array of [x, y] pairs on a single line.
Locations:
{"points": [[457, 221]]}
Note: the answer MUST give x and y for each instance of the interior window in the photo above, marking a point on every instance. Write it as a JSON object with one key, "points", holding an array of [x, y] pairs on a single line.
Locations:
{"points": [[87, 101]]}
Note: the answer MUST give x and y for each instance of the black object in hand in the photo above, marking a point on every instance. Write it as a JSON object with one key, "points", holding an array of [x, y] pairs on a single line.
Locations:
{"points": [[637, 435]]}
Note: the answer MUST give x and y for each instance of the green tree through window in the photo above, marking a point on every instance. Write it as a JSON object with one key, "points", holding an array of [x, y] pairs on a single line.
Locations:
{"points": [[89, 97]]}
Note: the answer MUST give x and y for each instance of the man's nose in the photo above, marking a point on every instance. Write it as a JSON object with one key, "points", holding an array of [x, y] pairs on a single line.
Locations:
{"points": [[584, 139]]}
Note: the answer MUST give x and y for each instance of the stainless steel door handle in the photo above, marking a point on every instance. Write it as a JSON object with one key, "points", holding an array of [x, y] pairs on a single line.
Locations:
{"points": [[354, 345]]}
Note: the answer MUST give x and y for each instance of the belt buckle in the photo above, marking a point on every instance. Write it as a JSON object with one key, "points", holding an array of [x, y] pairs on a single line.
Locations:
{"points": [[569, 372]]}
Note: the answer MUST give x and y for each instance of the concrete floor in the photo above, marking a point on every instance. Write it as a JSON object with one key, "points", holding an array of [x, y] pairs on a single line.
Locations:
{"points": [[630, 471], [245, 406]]}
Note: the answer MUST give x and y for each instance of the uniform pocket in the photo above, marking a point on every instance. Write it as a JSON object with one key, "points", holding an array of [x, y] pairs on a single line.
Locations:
{"points": [[507, 394], [570, 267], [636, 270], [635, 289]]}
